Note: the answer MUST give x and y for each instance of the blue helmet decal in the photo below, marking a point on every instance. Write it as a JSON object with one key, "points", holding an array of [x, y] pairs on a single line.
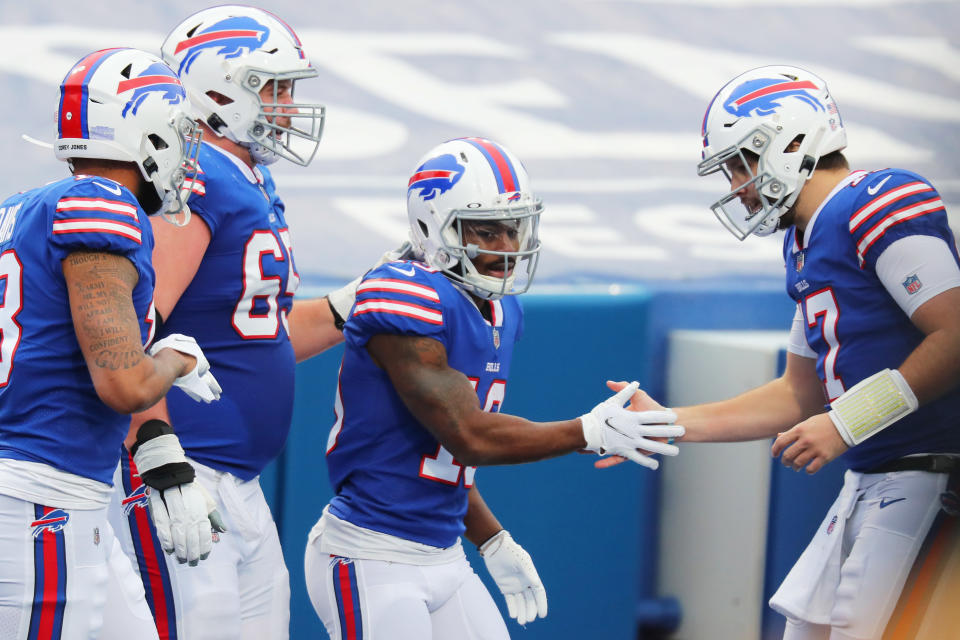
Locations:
{"points": [[436, 176], [762, 96], [157, 78]]}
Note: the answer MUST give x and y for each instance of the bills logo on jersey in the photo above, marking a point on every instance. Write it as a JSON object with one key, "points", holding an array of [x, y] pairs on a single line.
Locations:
{"points": [[233, 37], [137, 498], [435, 177], [912, 284], [157, 78], [762, 96], [53, 522]]}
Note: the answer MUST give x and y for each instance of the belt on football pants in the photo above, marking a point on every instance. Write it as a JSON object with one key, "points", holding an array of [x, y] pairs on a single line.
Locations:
{"points": [[932, 464]]}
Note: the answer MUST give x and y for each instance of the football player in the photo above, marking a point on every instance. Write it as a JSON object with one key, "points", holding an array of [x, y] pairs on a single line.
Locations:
{"points": [[428, 350], [874, 355], [76, 312], [228, 276]]}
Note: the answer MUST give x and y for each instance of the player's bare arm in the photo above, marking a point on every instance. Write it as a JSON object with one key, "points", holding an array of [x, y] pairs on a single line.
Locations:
{"points": [[480, 522], [312, 328], [443, 400], [762, 412], [100, 287], [934, 366], [176, 257]]}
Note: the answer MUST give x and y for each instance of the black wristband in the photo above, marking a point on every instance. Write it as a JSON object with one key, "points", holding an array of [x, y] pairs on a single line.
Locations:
{"points": [[338, 320], [169, 475]]}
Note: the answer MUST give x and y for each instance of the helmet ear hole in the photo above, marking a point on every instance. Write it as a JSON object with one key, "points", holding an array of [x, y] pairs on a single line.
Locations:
{"points": [[424, 229], [158, 143]]}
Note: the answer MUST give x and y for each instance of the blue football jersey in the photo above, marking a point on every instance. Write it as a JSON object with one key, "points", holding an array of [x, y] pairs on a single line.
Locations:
{"points": [[49, 408], [236, 307], [390, 474], [851, 321]]}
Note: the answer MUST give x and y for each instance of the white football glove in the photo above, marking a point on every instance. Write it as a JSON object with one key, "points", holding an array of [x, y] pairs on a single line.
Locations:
{"points": [[341, 300], [611, 429], [199, 383], [183, 513], [513, 571]]}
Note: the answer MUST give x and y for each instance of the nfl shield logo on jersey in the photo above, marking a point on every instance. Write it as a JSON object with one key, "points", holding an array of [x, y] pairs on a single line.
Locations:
{"points": [[496, 338], [912, 284], [798, 261]]}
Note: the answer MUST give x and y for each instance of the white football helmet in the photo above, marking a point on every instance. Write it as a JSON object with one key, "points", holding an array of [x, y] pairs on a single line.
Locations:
{"points": [[473, 179], [763, 111], [127, 105], [235, 51]]}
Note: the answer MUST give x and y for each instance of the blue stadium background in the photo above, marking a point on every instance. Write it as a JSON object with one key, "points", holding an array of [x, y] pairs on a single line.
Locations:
{"points": [[603, 100]]}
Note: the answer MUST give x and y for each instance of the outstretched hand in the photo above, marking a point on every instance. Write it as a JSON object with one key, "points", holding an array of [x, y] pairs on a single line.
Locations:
{"points": [[639, 401]]}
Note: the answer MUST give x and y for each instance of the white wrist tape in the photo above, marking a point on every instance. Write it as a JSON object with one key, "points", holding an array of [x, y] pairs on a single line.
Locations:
{"points": [[872, 405], [157, 452]]}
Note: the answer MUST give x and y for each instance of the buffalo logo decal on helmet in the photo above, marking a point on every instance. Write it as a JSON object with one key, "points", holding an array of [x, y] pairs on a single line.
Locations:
{"points": [[52, 521], [436, 176], [157, 78], [761, 97], [235, 37]]}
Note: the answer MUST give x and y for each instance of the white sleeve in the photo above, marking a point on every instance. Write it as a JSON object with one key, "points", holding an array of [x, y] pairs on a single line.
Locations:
{"points": [[916, 268], [798, 339]]}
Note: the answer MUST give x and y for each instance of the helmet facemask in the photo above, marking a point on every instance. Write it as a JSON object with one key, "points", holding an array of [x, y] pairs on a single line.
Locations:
{"points": [[268, 138], [521, 222]]}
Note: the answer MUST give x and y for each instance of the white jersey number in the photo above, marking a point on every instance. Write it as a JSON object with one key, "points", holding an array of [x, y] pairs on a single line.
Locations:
{"points": [[442, 466], [11, 285], [821, 308], [258, 286]]}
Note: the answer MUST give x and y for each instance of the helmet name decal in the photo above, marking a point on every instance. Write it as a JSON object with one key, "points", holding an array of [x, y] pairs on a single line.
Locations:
{"points": [[761, 97], [157, 78], [234, 36], [436, 176]]}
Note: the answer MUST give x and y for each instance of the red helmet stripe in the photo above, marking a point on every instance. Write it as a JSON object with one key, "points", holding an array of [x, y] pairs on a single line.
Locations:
{"points": [[73, 95]]}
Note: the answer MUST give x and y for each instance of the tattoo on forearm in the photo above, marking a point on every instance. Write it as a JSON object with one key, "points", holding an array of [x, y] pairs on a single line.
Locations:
{"points": [[103, 308]]}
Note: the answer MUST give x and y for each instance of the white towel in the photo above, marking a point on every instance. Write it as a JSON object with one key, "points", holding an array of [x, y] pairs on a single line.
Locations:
{"points": [[808, 592]]}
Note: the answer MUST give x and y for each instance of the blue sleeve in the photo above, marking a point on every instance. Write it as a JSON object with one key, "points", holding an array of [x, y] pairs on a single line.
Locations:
{"points": [[396, 298], [96, 214], [891, 205]]}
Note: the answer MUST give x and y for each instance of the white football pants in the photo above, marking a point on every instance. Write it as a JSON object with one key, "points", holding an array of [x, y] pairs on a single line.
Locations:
{"points": [[378, 600], [63, 576]]}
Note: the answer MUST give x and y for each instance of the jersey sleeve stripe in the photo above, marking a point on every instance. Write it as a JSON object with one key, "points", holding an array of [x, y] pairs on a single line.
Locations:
{"points": [[399, 308], [894, 195], [97, 204], [907, 213], [399, 286], [96, 225]]}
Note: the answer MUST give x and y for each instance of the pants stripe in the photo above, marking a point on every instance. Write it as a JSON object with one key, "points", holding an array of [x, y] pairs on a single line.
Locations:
{"points": [[347, 594], [150, 561], [50, 579]]}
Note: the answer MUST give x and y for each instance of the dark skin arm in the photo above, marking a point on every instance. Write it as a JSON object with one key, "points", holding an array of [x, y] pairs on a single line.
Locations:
{"points": [[444, 402], [100, 287], [480, 523]]}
